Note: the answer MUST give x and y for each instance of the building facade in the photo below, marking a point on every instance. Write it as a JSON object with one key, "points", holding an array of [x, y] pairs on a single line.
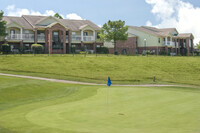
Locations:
{"points": [[158, 41], [57, 36]]}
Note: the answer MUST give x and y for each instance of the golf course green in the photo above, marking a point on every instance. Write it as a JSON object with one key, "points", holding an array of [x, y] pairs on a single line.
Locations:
{"points": [[35, 106]]}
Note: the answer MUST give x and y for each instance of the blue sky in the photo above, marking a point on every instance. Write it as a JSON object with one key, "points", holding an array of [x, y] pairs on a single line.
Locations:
{"points": [[98, 11], [159, 13]]}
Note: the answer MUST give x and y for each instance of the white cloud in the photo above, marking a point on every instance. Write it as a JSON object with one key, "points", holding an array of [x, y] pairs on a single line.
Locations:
{"points": [[11, 10], [73, 16], [176, 13], [148, 23], [100, 25]]}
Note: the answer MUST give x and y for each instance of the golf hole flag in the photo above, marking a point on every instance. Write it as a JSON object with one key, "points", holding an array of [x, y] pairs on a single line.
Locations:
{"points": [[109, 82]]}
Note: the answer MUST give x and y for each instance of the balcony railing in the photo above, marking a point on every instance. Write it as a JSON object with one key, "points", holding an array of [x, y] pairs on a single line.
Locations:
{"points": [[88, 38], [20, 37], [169, 43], [41, 37], [14, 37], [76, 38], [28, 37]]}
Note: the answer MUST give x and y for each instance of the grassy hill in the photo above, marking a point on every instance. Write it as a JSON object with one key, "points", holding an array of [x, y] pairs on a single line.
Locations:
{"points": [[121, 69], [33, 106]]}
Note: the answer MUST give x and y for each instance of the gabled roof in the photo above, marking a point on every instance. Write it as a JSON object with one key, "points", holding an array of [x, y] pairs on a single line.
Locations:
{"points": [[18, 20], [186, 35], [75, 25], [31, 22], [52, 24], [155, 31]]}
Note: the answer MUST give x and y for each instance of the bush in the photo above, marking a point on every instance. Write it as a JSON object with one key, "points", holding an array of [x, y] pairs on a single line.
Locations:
{"points": [[37, 48], [21, 50], [102, 50], [5, 48], [163, 52], [73, 49]]}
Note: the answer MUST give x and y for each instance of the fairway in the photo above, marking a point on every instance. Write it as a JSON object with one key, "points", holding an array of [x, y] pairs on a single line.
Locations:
{"points": [[35, 106]]}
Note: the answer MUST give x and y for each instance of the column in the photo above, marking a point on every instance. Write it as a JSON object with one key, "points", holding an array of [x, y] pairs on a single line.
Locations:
{"points": [[81, 35], [166, 50], [64, 42], [35, 37], [187, 46], [179, 44], [94, 47], [171, 41], [50, 42], [69, 40], [21, 44], [192, 45], [82, 46], [175, 45], [166, 40], [94, 36], [46, 41], [21, 33]]}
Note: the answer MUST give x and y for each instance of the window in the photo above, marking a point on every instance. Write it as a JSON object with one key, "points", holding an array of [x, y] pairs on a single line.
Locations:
{"points": [[12, 31], [26, 31], [73, 33], [158, 40], [85, 34]]}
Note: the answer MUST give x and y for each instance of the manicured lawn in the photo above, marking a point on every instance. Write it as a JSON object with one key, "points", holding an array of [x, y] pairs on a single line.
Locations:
{"points": [[121, 69], [33, 106]]}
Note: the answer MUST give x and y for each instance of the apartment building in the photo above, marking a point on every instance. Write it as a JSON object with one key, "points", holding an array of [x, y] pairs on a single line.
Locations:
{"points": [[56, 35]]}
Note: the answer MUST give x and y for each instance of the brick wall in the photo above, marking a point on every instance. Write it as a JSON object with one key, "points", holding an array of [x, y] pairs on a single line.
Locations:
{"points": [[127, 47]]}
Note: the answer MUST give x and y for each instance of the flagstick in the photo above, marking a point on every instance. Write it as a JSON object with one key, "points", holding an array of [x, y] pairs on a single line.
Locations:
{"points": [[108, 99]]}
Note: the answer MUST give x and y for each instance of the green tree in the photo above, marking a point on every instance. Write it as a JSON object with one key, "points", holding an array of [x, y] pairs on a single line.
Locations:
{"points": [[198, 45], [58, 16], [114, 31], [2, 25]]}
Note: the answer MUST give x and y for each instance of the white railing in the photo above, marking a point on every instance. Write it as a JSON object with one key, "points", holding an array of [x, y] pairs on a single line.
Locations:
{"points": [[14, 37], [20, 37], [76, 38], [41, 37], [88, 38], [29, 37], [169, 43]]}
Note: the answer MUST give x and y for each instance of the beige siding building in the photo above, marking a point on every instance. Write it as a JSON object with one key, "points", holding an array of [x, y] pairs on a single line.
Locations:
{"points": [[56, 35]]}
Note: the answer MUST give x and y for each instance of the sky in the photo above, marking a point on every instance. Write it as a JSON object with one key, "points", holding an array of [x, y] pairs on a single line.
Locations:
{"points": [[181, 14]]}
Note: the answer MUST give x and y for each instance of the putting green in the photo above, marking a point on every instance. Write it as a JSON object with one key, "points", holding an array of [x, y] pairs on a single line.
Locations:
{"points": [[94, 109]]}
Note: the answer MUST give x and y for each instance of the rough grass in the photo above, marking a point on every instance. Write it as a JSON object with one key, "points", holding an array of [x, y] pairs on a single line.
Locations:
{"points": [[121, 69], [33, 106]]}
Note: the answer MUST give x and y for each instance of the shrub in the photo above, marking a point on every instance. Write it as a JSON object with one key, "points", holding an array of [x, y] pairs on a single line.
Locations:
{"points": [[163, 52], [73, 49], [102, 50], [37, 48], [21, 50], [5, 48]]}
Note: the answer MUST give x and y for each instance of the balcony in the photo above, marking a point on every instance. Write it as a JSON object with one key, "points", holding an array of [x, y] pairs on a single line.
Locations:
{"points": [[88, 38], [169, 43], [41, 37], [76, 38], [28, 37], [14, 37], [25, 37]]}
